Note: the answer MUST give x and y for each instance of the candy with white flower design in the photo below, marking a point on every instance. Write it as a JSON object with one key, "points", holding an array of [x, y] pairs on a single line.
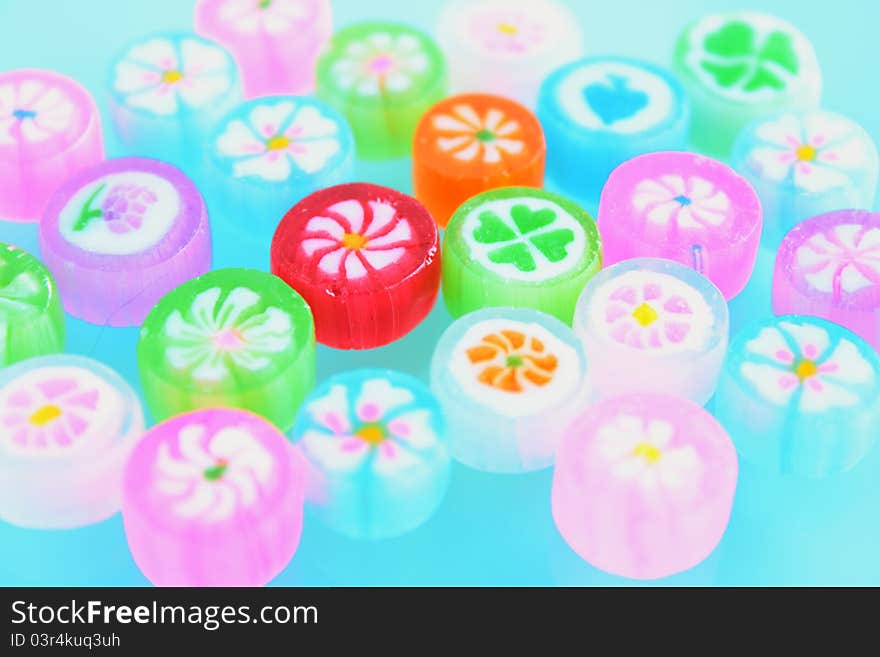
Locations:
{"points": [[382, 76], [239, 338], [31, 318], [275, 42], [522, 247], [683, 207], [652, 325], [601, 111], [471, 143], [741, 66], [67, 426], [49, 130], [269, 153], [121, 234], [644, 485], [805, 164], [377, 454], [510, 380], [800, 395], [213, 498], [168, 91], [366, 259], [485, 41], [829, 266]]}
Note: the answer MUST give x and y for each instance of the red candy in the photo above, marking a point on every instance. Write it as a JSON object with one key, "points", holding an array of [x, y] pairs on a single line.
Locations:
{"points": [[366, 259]]}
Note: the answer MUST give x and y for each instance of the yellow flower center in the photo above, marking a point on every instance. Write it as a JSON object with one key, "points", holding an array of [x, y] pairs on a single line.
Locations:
{"points": [[507, 28], [805, 369], [371, 433], [805, 153], [44, 415], [278, 143], [170, 77], [645, 315], [648, 452], [354, 241]]}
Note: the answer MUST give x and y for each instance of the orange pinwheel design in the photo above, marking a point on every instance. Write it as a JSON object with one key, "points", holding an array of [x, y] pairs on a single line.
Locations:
{"points": [[512, 361]]}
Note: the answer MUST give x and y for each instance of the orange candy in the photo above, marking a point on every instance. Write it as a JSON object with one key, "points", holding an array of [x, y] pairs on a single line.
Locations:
{"points": [[471, 143], [512, 360]]}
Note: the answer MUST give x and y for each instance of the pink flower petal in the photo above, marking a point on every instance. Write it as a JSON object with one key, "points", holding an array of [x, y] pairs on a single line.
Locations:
{"points": [[788, 381], [369, 412], [651, 291], [811, 351], [335, 423], [677, 304], [784, 356], [676, 331], [626, 294], [400, 428], [87, 399], [54, 388]]}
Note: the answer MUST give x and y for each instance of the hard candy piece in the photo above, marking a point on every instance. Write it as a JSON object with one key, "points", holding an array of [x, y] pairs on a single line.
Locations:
{"points": [[67, 426], [471, 143], [804, 164], [800, 395], [31, 318], [829, 266], [275, 42], [121, 234], [213, 498], [507, 47], [365, 258], [644, 484], [519, 247], [382, 76], [651, 325], [601, 111], [269, 153], [49, 130], [683, 207], [168, 91], [376, 450], [234, 337], [740, 66], [510, 380]]}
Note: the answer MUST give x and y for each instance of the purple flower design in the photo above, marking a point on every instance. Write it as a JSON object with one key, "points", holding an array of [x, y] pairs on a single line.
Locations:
{"points": [[123, 208]]}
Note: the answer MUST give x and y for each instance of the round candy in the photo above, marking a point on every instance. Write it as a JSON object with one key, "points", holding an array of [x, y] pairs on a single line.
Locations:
{"points": [[67, 425], [271, 152], [683, 207], [233, 337], [365, 258], [275, 42], [800, 395], [740, 66], [168, 91], [519, 247], [31, 318], [213, 498], [601, 111], [49, 129], [510, 380], [382, 76], [377, 455], [829, 266], [120, 234], [644, 485], [507, 47], [804, 164], [468, 144], [652, 325]]}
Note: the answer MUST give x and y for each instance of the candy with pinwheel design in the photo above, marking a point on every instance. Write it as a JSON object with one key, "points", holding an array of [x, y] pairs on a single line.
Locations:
{"points": [[67, 426], [213, 498], [375, 445], [239, 338], [510, 380]]}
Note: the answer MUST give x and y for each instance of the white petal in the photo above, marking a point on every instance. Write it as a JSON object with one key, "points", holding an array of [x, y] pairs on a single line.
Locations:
{"points": [[447, 123], [267, 119], [391, 459], [818, 178], [512, 146], [470, 151], [354, 268], [467, 114], [662, 213], [159, 100], [380, 259], [309, 122], [199, 502], [377, 397], [768, 343], [201, 58], [781, 132], [327, 451], [659, 433], [826, 128], [805, 335], [238, 301], [317, 244], [401, 232], [675, 184], [852, 368], [333, 404], [830, 396], [238, 140], [331, 263], [326, 225], [414, 428], [312, 156], [203, 310], [383, 214], [198, 91], [131, 77], [852, 280], [353, 211], [272, 166], [397, 81], [155, 53], [766, 379], [770, 163]]}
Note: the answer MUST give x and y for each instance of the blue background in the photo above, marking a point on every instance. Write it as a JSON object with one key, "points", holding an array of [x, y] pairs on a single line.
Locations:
{"points": [[491, 529]]}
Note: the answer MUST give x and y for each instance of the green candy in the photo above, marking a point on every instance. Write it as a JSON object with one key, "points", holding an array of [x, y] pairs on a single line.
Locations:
{"points": [[741, 66], [31, 317], [382, 76], [236, 338], [521, 247]]}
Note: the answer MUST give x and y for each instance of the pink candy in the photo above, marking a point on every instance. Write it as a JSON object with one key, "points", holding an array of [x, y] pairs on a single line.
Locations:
{"points": [[213, 498], [644, 485], [682, 207], [49, 130]]}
